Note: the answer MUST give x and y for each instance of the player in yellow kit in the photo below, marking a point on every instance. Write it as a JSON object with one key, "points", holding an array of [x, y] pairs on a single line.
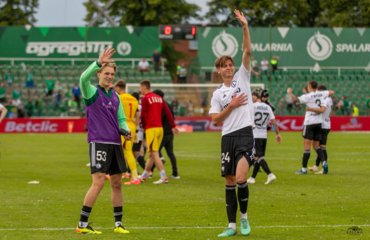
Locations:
{"points": [[130, 107]]}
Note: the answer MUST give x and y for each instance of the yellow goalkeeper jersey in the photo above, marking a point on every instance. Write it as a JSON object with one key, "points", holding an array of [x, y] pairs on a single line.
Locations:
{"points": [[130, 107]]}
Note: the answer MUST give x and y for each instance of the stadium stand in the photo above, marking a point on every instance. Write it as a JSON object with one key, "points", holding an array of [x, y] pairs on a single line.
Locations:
{"points": [[351, 82]]}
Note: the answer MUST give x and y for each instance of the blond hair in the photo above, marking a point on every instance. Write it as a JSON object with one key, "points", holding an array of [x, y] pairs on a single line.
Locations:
{"points": [[112, 65]]}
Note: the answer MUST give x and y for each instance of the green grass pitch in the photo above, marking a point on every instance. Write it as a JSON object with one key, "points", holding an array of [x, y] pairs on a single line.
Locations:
{"points": [[193, 207]]}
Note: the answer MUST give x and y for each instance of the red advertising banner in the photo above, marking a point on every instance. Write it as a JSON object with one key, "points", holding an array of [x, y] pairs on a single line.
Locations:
{"points": [[186, 124], [43, 125]]}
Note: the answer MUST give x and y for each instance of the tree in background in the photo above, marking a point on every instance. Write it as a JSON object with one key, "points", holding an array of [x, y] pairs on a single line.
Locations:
{"points": [[150, 13], [343, 13], [292, 13], [18, 12]]}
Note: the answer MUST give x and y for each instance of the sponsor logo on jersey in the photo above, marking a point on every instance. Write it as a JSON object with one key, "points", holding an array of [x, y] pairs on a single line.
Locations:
{"points": [[44, 126], [319, 47]]}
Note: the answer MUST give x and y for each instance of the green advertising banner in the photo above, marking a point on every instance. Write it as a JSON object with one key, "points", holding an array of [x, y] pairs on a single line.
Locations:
{"points": [[296, 47], [69, 42]]}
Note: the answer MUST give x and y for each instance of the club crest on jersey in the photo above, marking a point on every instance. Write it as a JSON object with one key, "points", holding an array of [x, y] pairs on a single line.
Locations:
{"points": [[233, 84], [224, 96]]}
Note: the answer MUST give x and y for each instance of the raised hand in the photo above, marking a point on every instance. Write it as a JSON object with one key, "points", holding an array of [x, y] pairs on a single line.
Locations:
{"points": [[240, 17], [106, 55], [238, 101]]}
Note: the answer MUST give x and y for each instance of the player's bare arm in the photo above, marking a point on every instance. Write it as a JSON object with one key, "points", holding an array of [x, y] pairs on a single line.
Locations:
{"points": [[247, 49], [292, 97], [237, 101], [276, 127], [316, 110], [106, 55], [331, 93], [3, 111]]}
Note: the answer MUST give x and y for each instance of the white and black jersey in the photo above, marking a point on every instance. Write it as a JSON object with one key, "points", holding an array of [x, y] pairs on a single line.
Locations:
{"points": [[313, 100], [326, 115], [242, 116], [262, 114]]}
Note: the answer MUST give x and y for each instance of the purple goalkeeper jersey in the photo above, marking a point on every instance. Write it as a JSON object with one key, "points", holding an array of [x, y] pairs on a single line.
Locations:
{"points": [[102, 122]]}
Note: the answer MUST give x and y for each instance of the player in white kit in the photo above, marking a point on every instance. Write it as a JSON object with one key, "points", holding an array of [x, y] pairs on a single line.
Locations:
{"points": [[312, 123], [262, 114], [232, 105], [325, 128]]}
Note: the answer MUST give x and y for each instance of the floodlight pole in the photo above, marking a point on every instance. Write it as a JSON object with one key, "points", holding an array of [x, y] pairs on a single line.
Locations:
{"points": [[101, 11]]}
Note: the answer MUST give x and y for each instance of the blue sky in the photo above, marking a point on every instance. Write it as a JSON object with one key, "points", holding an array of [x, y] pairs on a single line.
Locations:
{"points": [[67, 13]]}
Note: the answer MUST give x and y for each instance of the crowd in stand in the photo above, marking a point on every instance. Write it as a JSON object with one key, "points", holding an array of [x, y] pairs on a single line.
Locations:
{"points": [[63, 102]]}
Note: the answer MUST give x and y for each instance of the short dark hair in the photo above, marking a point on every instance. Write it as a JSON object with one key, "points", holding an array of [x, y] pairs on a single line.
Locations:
{"points": [[135, 95], [313, 84], [321, 87], [159, 93], [145, 83], [121, 84], [222, 60]]}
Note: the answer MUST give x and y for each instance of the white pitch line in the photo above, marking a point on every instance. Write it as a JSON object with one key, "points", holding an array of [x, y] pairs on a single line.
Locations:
{"points": [[195, 227]]}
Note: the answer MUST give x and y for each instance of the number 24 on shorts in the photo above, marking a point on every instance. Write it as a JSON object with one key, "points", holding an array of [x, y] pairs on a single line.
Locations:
{"points": [[225, 157]]}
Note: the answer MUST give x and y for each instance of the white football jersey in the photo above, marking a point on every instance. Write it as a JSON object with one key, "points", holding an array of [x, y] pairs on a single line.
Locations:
{"points": [[313, 100], [262, 114], [326, 115], [242, 116]]}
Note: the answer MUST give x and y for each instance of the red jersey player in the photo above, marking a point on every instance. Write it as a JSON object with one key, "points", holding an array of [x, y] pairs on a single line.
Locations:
{"points": [[151, 119]]}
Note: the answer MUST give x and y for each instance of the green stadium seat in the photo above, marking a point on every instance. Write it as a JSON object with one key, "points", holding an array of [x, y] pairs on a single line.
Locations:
{"points": [[306, 72]]}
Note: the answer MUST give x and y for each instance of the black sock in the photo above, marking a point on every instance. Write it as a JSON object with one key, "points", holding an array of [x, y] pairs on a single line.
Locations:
{"points": [[243, 195], [320, 154], [325, 153], [85, 214], [317, 161], [306, 156], [118, 215], [141, 161], [261, 161], [231, 203], [256, 168]]}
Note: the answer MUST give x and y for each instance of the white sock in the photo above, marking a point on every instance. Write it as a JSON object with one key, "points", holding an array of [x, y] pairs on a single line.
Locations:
{"points": [[82, 224], [163, 174], [324, 162], [243, 216], [232, 225], [270, 175], [316, 167], [304, 169], [251, 177], [118, 224], [145, 174]]}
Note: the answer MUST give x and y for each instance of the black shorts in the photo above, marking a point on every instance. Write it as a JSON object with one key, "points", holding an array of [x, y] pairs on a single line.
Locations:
{"points": [[234, 146], [312, 132], [106, 158], [260, 147], [136, 147], [324, 136]]}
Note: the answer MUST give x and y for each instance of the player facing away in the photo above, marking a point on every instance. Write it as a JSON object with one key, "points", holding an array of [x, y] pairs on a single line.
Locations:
{"points": [[130, 107], [262, 114], [151, 119], [230, 104], [106, 121], [312, 123], [325, 128]]}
